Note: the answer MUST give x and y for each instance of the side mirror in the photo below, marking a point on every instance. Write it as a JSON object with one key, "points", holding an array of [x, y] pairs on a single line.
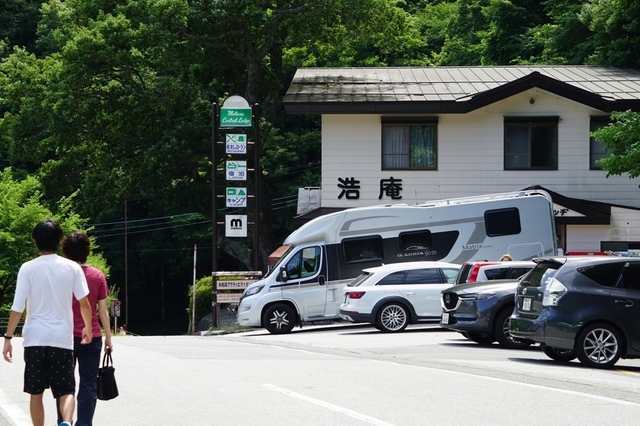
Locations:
{"points": [[283, 273]]}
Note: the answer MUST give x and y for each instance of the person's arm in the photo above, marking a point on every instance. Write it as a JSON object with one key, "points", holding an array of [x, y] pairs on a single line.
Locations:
{"points": [[103, 313], [85, 309], [14, 319]]}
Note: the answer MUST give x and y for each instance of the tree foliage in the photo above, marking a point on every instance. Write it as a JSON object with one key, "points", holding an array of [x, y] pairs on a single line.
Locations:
{"points": [[21, 208], [622, 141]]}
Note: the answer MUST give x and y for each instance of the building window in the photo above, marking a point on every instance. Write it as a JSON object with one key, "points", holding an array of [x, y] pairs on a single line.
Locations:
{"points": [[597, 150], [619, 245], [531, 143], [409, 143]]}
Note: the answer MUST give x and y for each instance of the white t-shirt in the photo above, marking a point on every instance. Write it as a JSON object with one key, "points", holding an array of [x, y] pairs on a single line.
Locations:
{"points": [[46, 286]]}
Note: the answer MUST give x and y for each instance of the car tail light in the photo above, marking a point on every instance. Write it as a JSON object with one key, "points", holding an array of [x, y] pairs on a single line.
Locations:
{"points": [[553, 293], [473, 276], [355, 294]]}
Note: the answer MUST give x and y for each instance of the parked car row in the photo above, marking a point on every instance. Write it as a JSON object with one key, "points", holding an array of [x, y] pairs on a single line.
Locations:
{"points": [[584, 307]]}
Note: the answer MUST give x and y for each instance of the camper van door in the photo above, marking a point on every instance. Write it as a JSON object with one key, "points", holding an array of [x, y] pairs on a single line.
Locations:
{"points": [[305, 279]]}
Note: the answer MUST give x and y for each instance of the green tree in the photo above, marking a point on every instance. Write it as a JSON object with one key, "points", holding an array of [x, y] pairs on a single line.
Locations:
{"points": [[18, 23], [565, 38], [616, 31], [622, 141], [508, 39], [21, 208]]}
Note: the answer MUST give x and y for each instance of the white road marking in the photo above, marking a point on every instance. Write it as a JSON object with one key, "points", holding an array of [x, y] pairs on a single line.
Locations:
{"points": [[333, 407]]}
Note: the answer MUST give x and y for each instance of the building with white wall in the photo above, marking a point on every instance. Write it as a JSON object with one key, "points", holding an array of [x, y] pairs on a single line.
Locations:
{"points": [[407, 135]]}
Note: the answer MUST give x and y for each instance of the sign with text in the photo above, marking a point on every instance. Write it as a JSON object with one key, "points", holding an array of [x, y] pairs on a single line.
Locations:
{"points": [[234, 284], [236, 197], [235, 112], [236, 225], [228, 297], [236, 170], [236, 144]]}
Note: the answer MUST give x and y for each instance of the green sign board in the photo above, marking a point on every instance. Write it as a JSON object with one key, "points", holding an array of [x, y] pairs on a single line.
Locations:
{"points": [[235, 117]]}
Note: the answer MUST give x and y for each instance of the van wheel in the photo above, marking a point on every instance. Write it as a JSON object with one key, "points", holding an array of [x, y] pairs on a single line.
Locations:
{"points": [[393, 317], [279, 318], [562, 355], [599, 346], [503, 335]]}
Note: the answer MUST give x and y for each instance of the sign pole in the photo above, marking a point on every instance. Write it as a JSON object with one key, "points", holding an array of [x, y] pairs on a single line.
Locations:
{"points": [[256, 166], [193, 305], [214, 210]]}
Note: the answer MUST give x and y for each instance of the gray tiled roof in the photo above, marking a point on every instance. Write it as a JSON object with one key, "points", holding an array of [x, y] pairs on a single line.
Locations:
{"points": [[446, 89]]}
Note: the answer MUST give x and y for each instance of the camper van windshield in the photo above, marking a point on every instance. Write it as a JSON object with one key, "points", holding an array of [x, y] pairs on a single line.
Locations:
{"points": [[276, 265]]}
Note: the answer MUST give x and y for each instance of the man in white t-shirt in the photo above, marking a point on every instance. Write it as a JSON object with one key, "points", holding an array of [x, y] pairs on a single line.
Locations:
{"points": [[45, 288]]}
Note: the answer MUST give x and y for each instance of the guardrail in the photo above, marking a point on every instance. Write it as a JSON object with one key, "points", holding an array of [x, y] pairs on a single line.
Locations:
{"points": [[4, 322]]}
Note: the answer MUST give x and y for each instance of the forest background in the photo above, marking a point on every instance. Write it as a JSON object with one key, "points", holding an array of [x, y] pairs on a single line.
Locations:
{"points": [[105, 112]]}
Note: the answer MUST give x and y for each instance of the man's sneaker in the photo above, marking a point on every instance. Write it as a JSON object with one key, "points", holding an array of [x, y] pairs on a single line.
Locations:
{"points": [[65, 424]]}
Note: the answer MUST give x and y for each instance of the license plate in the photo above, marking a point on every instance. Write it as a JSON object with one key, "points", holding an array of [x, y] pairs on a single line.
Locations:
{"points": [[526, 304], [445, 318]]}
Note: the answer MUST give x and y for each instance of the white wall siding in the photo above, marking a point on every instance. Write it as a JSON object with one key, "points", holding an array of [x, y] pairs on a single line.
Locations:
{"points": [[470, 157], [585, 238]]}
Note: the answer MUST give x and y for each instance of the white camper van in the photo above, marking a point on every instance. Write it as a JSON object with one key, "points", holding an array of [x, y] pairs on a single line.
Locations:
{"points": [[320, 257]]}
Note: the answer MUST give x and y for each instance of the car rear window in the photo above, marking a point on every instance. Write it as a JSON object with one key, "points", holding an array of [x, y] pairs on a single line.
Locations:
{"points": [[496, 273], [606, 274], [461, 278], [540, 274], [359, 280], [505, 273]]}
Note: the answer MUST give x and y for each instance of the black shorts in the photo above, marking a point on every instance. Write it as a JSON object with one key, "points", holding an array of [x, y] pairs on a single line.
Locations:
{"points": [[49, 367]]}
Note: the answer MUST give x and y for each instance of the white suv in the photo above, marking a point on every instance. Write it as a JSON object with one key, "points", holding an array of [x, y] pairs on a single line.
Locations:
{"points": [[393, 296]]}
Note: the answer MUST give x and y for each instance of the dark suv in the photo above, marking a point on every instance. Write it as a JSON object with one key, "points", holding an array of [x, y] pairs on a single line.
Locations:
{"points": [[481, 311], [586, 307]]}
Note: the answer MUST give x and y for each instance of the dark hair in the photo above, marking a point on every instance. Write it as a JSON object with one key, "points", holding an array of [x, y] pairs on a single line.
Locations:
{"points": [[47, 235], [76, 247]]}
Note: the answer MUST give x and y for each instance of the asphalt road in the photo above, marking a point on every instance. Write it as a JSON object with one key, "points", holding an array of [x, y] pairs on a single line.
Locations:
{"points": [[344, 375]]}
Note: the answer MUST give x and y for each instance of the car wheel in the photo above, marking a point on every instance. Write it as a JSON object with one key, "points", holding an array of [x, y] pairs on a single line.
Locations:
{"points": [[480, 338], [279, 318], [502, 334], [556, 354], [599, 346], [393, 317]]}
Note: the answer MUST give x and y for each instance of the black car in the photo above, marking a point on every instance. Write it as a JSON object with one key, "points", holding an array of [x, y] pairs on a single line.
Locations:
{"points": [[586, 307], [481, 312]]}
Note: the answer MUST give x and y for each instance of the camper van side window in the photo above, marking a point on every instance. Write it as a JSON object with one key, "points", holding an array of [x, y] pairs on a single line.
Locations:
{"points": [[420, 240], [362, 249], [502, 222], [304, 263]]}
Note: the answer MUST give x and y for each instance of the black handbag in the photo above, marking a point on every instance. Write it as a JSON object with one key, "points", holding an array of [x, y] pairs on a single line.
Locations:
{"points": [[107, 387]]}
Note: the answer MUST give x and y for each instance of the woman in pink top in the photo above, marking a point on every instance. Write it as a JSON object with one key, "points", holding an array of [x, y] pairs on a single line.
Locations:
{"points": [[77, 248]]}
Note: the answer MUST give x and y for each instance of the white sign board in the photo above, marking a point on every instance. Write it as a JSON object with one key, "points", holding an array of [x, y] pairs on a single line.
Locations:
{"points": [[236, 170], [234, 284], [236, 225], [228, 297], [236, 197], [236, 144]]}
